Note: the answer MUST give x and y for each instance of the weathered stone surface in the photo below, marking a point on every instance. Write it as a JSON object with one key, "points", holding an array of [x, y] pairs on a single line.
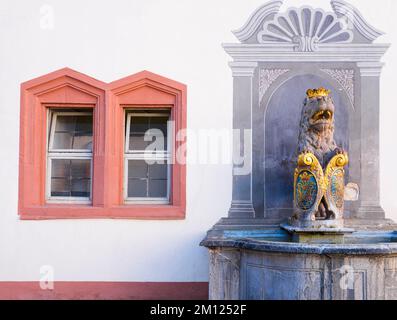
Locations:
{"points": [[305, 248], [264, 275], [224, 274]]}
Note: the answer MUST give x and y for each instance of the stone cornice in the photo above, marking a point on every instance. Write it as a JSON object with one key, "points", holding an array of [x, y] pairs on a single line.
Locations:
{"points": [[325, 53], [370, 69], [243, 69]]}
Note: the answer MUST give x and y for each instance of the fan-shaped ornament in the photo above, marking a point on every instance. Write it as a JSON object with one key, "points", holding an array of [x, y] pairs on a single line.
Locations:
{"points": [[306, 28]]}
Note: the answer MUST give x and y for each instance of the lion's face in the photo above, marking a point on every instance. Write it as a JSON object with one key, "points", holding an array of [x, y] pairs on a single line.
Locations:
{"points": [[320, 114]]}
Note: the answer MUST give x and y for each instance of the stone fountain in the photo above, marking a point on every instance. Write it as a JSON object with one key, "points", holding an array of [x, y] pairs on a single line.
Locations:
{"points": [[305, 220]]}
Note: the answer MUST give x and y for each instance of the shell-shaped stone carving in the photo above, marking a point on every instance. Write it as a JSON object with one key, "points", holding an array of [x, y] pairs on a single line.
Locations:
{"points": [[306, 28]]}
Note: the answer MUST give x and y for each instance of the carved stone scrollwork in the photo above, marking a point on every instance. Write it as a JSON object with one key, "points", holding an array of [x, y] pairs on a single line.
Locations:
{"points": [[345, 77], [266, 78], [306, 28], [344, 9]]}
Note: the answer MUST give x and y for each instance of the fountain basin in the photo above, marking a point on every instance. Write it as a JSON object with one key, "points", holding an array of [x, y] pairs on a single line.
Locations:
{"points": [[269, 265]]}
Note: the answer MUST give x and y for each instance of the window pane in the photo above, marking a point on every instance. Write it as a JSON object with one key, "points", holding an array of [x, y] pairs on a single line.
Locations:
{"points": [[84, 123], [158, 180], [158, 141], [63, 140], [73, 132], [82, 141], [137, 169], [137, 188], [137, 178], [60, 168], [157, 188], [147, 181], [155, 128], [80, 188], [70, 178], [60, 187], [159, 123], [137, 142], [65, 123], [158, 171], [139, 124], [80, 169]]}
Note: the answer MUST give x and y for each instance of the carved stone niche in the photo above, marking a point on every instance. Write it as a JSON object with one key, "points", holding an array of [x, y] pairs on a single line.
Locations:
{"points": [[280, 55]]}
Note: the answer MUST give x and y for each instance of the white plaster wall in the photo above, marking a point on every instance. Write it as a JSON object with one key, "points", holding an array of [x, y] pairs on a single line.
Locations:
{"points": [[180, 39]]}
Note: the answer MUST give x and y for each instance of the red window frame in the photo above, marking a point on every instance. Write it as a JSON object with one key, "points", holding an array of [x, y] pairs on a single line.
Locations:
{"points": [[68, 88]]}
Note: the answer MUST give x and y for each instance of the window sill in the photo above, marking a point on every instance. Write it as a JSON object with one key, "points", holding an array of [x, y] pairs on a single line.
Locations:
{"points": [[133, 212]]}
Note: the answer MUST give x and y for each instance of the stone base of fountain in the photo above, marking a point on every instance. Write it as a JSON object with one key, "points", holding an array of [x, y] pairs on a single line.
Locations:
{"points": [[268, 264]]}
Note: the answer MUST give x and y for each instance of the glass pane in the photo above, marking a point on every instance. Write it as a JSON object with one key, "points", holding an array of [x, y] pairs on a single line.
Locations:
{"points": [[159, 123], [60, 168], [84, 123], [139, 124], [60, 187], [137, 169], [157, 140], [137, 142], [147, 181], [82, 141], [154, 127], [157, 188], [70, 178], [73, 132], [62, 140], [80, 169], [80, 188], [158, 171], [137, 188], [65, 123]]}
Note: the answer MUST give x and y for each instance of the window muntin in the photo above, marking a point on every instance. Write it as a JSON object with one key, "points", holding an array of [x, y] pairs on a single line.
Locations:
{"points": [[69, 157], [147, 168]]}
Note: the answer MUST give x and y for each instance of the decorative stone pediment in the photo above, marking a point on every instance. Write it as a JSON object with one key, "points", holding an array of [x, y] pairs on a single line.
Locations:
{"points": [[306, 28]]}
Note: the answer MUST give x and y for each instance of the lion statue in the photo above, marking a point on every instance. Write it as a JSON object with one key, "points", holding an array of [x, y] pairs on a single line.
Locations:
{"points": [[319, 177], [317, 124]]}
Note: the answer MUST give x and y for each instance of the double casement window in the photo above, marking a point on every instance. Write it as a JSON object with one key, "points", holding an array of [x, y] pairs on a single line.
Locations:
{"points": [[69, 156], [147, 157], [90, 149]]}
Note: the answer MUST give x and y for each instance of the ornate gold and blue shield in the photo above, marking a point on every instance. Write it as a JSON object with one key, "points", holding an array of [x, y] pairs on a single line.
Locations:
{"points": [[306, 190], [312, 186]]}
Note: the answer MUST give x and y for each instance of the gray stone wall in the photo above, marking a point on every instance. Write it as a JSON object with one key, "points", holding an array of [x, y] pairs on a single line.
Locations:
{"points": [[256, 275]]}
